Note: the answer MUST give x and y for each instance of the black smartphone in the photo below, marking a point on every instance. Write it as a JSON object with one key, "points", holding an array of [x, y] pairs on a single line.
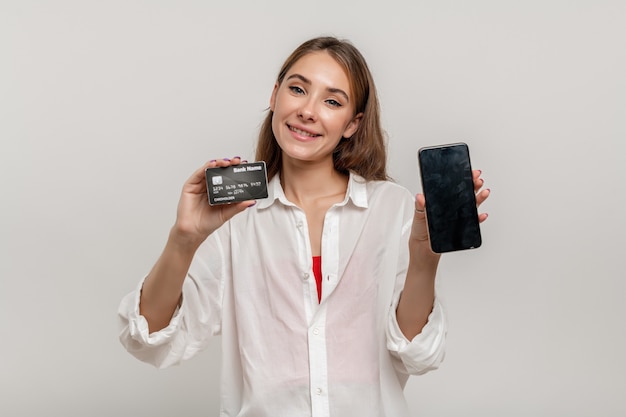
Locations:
{"points": [[448, 186]]}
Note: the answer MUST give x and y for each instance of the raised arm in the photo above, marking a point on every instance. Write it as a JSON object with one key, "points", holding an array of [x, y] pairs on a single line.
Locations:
{"points": [[195, 221], [418, 295]]}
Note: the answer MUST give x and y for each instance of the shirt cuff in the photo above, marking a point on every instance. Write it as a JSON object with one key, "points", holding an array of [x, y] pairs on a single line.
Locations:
{"points": [[138, 325], [426, 351]]}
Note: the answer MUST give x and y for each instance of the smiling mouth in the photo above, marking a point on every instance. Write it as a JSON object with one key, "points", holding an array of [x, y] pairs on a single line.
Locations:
{"points": [[302, 132]]}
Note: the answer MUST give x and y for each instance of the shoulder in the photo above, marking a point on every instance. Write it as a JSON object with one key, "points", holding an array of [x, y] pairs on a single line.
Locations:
{"points": [[369, 193], [390, 204], [388, 190], [386, 197]]}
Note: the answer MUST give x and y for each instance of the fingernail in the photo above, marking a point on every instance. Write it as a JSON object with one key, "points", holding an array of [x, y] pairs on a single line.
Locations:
{"points": [[252, 205], [236, 157], [245, 161], [212, 160], [226, 159]]}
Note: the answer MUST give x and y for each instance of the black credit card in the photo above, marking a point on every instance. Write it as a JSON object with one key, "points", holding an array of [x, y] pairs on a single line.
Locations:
{"points": [[235, 183]]}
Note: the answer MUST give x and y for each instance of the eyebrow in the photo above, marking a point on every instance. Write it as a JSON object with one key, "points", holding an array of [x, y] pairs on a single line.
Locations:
{"points": [[329, 89]]}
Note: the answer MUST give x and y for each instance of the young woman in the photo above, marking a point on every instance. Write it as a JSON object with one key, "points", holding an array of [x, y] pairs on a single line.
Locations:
{"points": [[323, 293]]}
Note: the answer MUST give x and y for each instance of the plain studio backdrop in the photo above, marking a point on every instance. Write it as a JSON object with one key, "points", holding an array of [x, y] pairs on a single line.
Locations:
{"points": [[106, 107]]}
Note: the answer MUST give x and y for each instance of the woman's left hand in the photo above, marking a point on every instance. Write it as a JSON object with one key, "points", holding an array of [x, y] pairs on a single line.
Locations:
{"points": [[419, 233]]}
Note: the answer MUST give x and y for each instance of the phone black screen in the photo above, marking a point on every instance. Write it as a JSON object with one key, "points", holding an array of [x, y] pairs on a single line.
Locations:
{"points": [[448, 187]]}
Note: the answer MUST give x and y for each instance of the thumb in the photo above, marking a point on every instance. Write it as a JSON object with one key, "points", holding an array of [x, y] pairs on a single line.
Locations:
{"points": [[420, 204], [419, 230]]}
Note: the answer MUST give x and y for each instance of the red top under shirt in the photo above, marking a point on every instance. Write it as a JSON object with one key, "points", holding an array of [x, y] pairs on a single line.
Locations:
{"points": [[317, 271]]}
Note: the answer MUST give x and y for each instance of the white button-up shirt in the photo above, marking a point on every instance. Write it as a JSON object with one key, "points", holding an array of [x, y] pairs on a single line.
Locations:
{"points": [[285, 354]]}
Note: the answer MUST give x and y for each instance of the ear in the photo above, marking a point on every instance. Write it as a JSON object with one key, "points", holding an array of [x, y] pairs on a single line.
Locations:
{"points": [[353, 126], [273, 97]]}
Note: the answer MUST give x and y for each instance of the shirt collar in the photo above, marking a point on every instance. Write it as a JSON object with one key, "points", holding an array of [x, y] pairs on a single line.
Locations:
{"points": [[357, 192]]}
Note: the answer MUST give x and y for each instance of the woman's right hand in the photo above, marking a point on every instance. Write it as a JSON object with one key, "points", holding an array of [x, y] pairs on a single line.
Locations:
{"points": [[195, 218]]}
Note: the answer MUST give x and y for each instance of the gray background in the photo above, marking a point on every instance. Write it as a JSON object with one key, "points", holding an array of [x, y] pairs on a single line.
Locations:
{"points": [[107, 107]]}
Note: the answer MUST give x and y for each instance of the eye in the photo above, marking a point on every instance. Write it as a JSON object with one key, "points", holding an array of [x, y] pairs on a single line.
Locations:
{"points": [[333, 103], [296, 90]]}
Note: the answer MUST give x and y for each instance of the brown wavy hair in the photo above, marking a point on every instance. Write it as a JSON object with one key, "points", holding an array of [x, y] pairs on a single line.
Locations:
{"points": [[365, 152]]}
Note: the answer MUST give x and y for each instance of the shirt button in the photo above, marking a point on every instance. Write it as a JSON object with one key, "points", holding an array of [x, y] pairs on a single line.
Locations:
{"points": [[318, 391], [305, 276], [316, 331]]}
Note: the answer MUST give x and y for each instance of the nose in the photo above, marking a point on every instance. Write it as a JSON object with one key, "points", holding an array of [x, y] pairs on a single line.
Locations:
{"points": [[307, 110]]}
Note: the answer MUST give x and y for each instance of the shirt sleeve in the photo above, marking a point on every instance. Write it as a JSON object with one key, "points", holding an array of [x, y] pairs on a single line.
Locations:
{"points": [[197, 318], [427, 350]]}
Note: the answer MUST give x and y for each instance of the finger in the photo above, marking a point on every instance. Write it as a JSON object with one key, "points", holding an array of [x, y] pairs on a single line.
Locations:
{"points": [[224, 162], [228, 211], [420, 204], [478, 182], [197, 179], [482, 196], [482, 217]]}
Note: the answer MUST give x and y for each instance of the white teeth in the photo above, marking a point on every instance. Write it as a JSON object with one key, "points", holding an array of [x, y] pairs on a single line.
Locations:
{"points": [[302, 132]]}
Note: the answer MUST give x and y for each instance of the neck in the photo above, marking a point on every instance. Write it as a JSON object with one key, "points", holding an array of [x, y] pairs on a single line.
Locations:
{"points": [[303, 183]]}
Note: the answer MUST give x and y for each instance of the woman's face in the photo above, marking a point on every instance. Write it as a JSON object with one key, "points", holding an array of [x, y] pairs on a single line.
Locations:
{"points": [[313, 109]]}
